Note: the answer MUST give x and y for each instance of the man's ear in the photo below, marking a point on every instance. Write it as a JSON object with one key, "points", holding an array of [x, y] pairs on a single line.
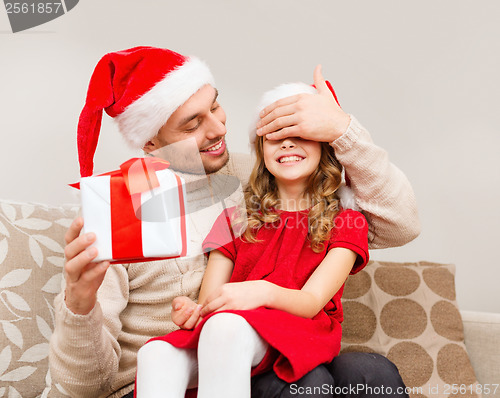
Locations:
{"points": [[151, 145]]}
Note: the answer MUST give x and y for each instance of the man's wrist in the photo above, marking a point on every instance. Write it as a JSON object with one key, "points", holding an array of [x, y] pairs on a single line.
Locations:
{"points": [[341, 128], [77, 307]]}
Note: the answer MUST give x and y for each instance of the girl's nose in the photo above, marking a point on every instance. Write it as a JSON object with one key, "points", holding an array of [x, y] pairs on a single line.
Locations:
{"points": [[287, 143]]}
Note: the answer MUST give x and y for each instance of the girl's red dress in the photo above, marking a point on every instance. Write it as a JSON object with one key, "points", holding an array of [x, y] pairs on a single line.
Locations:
{"points": [[283, 256]]}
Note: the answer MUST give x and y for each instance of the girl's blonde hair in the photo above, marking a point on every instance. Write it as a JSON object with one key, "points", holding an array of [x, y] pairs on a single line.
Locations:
{"points": [[261, 197]]}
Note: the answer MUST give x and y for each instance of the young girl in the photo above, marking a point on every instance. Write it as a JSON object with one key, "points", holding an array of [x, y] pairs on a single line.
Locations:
{"points": [[270, 298]]}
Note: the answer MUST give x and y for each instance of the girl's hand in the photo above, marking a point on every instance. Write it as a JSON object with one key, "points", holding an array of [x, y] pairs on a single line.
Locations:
{"points": [[315, 117], [237, 296], [185, 312]]}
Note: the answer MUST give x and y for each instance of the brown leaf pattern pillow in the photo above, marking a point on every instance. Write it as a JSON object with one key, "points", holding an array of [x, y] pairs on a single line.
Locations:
{"points": [[31, 261]]}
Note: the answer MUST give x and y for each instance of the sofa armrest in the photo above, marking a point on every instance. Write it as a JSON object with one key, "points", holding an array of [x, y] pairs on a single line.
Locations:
{"points": [[482, 339]]}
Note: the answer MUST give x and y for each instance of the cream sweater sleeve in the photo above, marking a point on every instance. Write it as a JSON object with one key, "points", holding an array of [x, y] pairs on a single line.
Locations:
{"points": [[382, 191], [84, 352]]}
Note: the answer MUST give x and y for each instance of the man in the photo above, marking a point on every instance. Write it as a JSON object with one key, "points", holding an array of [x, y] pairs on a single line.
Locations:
{"points": [[158, 97]]}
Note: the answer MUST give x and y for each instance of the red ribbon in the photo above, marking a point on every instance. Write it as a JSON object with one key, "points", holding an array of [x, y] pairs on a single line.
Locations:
{"points": [[182, 211], [139, 174], [124, 222]]}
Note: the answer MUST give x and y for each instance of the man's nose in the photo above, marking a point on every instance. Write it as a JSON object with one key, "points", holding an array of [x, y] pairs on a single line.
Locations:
{"points": [[217, 127]]}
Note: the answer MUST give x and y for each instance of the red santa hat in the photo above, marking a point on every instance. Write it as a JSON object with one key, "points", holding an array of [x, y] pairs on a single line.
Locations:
{"points": [[140, 88]]}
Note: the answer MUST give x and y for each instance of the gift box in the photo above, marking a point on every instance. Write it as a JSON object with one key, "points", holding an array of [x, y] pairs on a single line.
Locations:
{"points": [[138, 212]]}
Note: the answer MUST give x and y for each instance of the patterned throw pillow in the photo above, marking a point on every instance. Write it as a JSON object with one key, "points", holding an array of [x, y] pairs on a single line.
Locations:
{"points": [[408, 312], [31, 261]]}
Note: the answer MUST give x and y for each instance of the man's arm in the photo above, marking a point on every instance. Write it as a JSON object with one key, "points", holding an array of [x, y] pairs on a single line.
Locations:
{"points": [[382, 191], [84, 352]]}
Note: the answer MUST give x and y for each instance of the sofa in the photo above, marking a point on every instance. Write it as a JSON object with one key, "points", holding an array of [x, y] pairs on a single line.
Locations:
{"points": [[406, 311]]}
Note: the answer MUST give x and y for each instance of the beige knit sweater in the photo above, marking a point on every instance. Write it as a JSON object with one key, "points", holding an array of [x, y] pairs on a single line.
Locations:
{"points": [[95, 355]]}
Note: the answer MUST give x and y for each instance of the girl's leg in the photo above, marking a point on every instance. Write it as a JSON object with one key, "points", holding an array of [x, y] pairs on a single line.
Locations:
{"points": [[228, 349], [164, 370]]}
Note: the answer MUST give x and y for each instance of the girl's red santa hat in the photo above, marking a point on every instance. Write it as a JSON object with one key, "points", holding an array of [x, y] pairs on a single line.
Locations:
{"points": [[140, 88], [344, 192], [284, 91]]}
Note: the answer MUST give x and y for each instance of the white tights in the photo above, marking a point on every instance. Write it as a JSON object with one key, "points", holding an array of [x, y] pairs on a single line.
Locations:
{"points": [[227, 350]]}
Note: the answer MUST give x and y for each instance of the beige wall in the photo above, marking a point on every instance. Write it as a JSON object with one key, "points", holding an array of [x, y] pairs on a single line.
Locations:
{"points": [[421, 76]]}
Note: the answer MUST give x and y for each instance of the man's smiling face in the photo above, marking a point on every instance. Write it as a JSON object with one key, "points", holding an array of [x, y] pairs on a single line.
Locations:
{"points": [[202, 118]]}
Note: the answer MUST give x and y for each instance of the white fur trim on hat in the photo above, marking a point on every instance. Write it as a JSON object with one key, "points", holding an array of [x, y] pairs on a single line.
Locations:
{"points": [[277, 93], [143, 118]]}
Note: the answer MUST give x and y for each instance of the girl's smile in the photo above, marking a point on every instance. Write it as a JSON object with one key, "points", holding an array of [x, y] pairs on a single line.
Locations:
{"points": [[291, 160]]}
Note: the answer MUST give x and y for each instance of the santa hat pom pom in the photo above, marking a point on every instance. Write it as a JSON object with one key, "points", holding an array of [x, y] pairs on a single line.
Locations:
{"points": [[347, 198]]}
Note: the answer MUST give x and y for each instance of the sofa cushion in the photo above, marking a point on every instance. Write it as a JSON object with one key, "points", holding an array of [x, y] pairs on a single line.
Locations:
{"points": [[482, 338], [31, 261], [408, 312]]}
